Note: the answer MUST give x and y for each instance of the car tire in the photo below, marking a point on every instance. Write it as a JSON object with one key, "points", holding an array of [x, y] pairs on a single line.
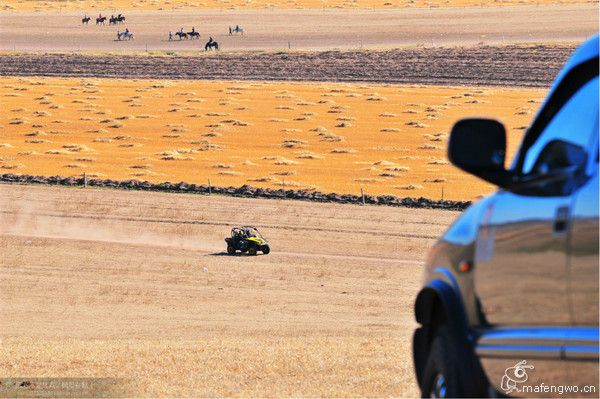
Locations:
{"points": [[230, 250], [252, 251], [266, 249], [444, 362]]}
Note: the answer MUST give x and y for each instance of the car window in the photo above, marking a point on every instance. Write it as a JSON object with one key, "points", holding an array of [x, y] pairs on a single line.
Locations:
{"points": [[572, 125]]}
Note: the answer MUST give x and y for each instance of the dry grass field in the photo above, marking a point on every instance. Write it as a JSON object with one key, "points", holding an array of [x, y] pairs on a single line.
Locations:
{"points": [[130, 285], [49, 5], [326, 136]]}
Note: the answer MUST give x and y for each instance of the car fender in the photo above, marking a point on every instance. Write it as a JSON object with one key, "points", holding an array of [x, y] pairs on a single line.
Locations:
{"points": [[440, 302], [437, 302], [438, 292]]}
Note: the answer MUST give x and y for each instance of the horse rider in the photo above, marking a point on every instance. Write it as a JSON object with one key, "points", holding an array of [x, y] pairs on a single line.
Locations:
{"points": [[193, 29], [119, 16], [170, 36], [126, 31], [210, 40], [237, 28], [100, 16], [181, 30]]}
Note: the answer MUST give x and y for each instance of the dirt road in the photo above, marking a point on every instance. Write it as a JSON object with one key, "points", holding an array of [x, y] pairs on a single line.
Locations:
{"points": [[89, 287], [524, 66], [304, 29]]}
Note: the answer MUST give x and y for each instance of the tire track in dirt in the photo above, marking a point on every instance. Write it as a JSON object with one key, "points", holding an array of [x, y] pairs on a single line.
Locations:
{"points": [[514, 65], [105, 217], [217, 252]]}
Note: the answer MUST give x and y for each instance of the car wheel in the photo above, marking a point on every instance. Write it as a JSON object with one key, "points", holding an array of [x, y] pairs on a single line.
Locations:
{"points": [[252, 251], [230, 250], [266, 249], [440, 376]]}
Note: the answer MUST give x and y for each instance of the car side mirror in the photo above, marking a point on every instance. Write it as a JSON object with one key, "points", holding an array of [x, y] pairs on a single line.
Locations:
{"points": [[478, 146]]}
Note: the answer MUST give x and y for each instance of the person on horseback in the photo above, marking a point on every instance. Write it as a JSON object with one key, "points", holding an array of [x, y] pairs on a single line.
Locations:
{"points": [[211, 44], [237, 28], [181, 30], [126, 31], [193, 29]]}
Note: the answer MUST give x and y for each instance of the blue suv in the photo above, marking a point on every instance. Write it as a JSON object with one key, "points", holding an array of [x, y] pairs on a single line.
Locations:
{"points": [[510, 300]]}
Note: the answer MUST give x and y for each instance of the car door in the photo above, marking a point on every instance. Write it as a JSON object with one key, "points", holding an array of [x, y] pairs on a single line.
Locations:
{"points": [[521, 260], [581, 350]]}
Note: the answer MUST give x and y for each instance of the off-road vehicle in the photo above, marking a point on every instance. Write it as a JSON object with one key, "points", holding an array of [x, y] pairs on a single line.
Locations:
{"points": [[247, 239]]}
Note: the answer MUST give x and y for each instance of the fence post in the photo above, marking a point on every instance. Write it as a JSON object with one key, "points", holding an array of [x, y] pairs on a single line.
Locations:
{"points": [[362, 194], [209, 188], [442, 192], [85, 179]]}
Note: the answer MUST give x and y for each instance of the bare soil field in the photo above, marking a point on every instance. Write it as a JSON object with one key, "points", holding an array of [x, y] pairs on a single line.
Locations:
{"points": [[303, 29], [86, 5], [136, 287], [329, 137], [514, 65]]}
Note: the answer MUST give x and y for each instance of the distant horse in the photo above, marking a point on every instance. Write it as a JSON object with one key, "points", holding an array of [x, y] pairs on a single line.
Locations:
{"points": [[194, 35], [124, 35], [116, 20], [85, 20], [210, 45], [237, 29], [182, 35], [100, 21]]}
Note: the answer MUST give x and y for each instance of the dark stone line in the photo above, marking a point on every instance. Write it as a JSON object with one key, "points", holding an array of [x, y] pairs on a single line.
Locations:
{"points": [[245, 191]]}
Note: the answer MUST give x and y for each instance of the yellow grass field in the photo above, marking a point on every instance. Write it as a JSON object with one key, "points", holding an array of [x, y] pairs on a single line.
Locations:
{"points": [[87, 5], [330, 137]]}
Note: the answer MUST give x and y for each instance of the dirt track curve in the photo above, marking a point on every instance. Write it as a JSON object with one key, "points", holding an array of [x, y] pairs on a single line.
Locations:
{"points": [[533, 66]]}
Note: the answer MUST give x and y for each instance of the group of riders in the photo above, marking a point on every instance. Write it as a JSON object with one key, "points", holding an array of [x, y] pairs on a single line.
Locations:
{"points": [[127, 35], [101, 19], [211, 44], [184, 35]]}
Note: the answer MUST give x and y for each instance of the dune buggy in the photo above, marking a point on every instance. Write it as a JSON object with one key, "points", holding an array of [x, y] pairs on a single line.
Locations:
{"points": [[247, 239]]}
